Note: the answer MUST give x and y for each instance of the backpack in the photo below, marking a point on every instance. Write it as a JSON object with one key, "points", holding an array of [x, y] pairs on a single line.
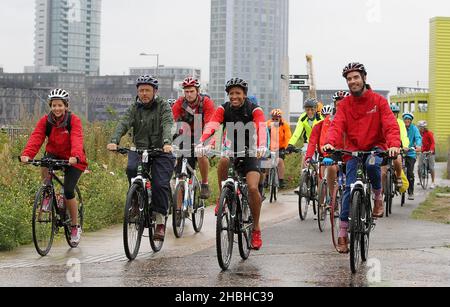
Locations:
{"points": [[48, 129]]}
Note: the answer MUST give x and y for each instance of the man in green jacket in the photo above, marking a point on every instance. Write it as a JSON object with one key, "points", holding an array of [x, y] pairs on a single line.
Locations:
{"points": [[152, 121]]}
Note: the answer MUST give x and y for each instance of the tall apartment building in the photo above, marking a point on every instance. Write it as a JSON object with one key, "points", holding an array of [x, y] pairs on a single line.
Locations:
{"points": [[67, 35], [249, 39]]}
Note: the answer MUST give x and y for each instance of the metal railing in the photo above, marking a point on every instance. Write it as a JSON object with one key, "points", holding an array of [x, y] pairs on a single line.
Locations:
{"points": [[13, 132]]}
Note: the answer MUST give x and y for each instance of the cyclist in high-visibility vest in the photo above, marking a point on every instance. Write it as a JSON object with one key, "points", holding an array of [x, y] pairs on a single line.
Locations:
{"points": [[305, 126]]}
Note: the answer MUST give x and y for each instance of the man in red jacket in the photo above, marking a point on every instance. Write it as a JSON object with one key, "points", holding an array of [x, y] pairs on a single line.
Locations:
{"points": [[62, 144], [428, 146], [186, 111], [368, 123]]}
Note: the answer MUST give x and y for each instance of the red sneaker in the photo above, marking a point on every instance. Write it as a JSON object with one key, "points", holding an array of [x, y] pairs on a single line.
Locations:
{"points": [[256, 240]]}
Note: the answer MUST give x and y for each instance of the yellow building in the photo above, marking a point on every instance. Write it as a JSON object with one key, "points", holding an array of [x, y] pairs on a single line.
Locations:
{"points": [[434, 106], [414, 102], [439, 108]]}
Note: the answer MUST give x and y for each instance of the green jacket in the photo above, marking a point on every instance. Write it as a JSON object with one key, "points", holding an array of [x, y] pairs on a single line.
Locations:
{"points": [[152, 125]]}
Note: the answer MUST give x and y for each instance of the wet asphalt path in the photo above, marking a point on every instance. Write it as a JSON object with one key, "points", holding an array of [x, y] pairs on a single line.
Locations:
{"points": [[404, 252]]}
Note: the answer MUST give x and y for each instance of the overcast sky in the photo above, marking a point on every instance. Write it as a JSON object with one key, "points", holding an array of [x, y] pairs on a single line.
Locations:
{"points": [[391, 37]]}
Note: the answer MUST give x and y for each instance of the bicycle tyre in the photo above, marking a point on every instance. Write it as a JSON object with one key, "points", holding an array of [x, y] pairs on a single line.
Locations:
{"points": [[49, 228], [273, 185], [178, 215], [245, 236], [67, 226], [313, 194], [335, 218], [388, 192], [424, 176], [133, 221], [355, 231], [199, 211], [322, 205], [366, 226], [225, 223], [303, 197]]}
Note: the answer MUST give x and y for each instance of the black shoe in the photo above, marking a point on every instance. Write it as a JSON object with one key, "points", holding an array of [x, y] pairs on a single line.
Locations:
{"points": [[282, 184], [205, 193]]}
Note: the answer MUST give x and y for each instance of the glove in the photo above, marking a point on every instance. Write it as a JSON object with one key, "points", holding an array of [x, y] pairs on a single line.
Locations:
{"points": [[328, 162], [201, 150], [306, 163], [261, 152], [290, 149]]}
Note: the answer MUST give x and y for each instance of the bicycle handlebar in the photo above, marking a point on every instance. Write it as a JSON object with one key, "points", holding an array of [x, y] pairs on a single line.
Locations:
{"points": [[47, 162], [338, 152], [151, 152]]}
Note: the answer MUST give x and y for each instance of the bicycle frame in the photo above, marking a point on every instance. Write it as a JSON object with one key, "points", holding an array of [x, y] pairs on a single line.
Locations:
{"points": [[187, 172]]}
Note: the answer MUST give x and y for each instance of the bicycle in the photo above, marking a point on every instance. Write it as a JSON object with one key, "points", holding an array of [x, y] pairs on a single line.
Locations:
{"points": [[361, 221], [326, 199], [234, 215], [187, 201], [424, 173], [138, 213], [307, 192], [335, 211], [273, 181], [390, 185], [49, 209], [403, 196]]}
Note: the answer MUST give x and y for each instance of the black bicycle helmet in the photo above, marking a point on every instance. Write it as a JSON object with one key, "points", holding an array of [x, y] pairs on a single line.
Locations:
{"points": [[147, 80], [236, 82]]}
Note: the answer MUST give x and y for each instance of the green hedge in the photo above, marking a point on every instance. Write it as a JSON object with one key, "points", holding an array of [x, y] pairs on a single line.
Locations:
{"points": [[103, 187]]}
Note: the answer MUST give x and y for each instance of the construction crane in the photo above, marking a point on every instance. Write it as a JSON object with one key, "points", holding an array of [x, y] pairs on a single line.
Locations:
{"points": [[312, 80]]}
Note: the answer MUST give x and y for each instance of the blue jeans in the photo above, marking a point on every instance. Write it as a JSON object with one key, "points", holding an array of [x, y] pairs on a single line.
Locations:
{"points": [[374, 173]]}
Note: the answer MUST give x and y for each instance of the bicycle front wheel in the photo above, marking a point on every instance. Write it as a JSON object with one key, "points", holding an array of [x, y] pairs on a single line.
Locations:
{"points": [[388, 192], [304, 196], [322, 206], [355, 231], [199, 210], [80, 218], [424, 175], [273, 185], [44, 221], [246, 231], [133, 222], [335, 216], [225, 229], [178, 214], [366, 225]]}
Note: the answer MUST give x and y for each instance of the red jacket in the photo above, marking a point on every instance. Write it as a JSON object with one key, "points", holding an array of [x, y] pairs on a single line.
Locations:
{"points": [[367, 122], [208, 111], [318, 138], [60, 143], [428, 142]]}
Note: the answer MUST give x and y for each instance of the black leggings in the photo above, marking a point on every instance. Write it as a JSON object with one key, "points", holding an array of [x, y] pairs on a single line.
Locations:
{"points": [[71, 177]]}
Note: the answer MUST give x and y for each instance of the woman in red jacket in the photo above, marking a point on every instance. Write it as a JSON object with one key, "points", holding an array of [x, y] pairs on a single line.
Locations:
{"points": [[65, 142]]}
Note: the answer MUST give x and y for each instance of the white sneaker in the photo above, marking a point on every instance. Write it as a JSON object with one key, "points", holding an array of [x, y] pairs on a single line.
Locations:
{"points": [[75, 236], [433, 186], [411, 197]]}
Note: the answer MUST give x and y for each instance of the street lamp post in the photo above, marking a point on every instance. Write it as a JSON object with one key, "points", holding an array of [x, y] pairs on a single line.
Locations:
{"points": [[157, 60]]}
